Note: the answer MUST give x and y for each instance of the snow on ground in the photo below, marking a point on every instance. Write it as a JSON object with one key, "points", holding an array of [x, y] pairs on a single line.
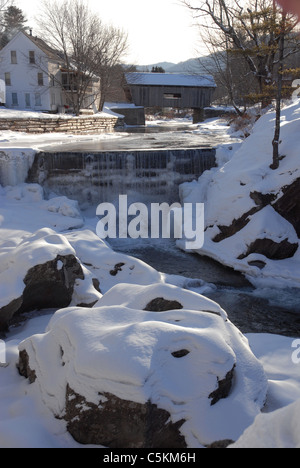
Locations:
{"points": [[225, 191], [24, 211], [20, 147], [27, 423], [280, 429], [25, 114], [25, 420]]}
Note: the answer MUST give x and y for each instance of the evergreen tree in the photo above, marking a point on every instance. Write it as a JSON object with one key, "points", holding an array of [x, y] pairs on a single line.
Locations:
{"points": [[158, 70], [14, 21]]}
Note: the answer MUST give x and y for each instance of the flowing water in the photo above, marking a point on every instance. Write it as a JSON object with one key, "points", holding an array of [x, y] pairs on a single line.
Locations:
{"points": [[97, 177], [251, 310], [149, 167]]}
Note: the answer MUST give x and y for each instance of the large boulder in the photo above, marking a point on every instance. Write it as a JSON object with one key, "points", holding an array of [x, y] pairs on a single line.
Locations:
{"points": [[124, 377], [40, 273], [49, 270]]}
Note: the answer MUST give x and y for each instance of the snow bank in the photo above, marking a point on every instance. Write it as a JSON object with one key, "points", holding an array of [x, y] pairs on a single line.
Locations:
{"points": [[19, 114], [277, 430], [132, 354], [240, 200], [24, 211], [63, 206], [110, 267]]}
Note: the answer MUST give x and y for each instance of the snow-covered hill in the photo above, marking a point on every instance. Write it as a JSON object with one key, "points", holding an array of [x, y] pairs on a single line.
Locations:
{"points": [[252, 218]]}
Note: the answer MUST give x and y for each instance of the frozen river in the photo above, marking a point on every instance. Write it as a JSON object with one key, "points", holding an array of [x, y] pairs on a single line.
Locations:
{"points": [[153, 137], [251, 310]]}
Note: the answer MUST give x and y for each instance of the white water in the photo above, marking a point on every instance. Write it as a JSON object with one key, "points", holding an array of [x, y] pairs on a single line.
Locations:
{"points": [[93, 178]]}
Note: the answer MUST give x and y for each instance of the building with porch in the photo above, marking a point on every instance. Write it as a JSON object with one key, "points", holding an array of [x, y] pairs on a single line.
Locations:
{"points": [[36, 77]]}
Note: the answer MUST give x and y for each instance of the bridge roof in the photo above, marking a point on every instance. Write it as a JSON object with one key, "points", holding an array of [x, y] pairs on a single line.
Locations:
{"points": [[170, 79]]}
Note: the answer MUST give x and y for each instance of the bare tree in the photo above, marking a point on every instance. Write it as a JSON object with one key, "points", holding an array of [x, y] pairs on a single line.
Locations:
{"points": [[230, 73], [112, 47], [276, 140], [251, 30], [74, 31]]}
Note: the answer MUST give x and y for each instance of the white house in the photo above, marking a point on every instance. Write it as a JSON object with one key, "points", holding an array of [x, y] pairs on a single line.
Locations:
{"points": [[34, 75]]}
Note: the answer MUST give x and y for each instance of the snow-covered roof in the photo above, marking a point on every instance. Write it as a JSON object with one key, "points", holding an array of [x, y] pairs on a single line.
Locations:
{"points": [[170, 79]]}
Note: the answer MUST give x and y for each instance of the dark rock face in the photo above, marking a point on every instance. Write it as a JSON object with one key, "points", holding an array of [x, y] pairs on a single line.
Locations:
{"points": [[121, 424], [223, 389], [117, 268], [288, 205], [236, 226], [160, 304], [221, 444], [271, 249], [24, 367], [46, 286]]}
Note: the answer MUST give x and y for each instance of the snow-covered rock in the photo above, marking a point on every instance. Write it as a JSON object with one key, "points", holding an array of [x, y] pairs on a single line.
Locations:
{"points": [[49, 270], [63, 206], [109, 267], [252, 214], [115, 370], [39, 273]]}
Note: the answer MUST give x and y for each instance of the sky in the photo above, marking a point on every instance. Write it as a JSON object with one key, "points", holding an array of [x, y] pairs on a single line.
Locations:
{"points": [[158, 30]]}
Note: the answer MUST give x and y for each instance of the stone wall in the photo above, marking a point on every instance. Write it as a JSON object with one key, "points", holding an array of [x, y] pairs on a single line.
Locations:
{"points": [[75, 125]]}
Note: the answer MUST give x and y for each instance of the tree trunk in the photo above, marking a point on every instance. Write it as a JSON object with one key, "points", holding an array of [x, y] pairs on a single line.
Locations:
{"points": [[276, 140]]}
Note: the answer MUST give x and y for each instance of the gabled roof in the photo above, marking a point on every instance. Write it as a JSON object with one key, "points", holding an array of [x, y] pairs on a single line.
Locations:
{"points": [[51, 53], [170, 79], [44, 47]]}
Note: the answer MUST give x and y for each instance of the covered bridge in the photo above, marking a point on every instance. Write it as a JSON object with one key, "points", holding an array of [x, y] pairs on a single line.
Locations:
{"points": [[180, 91]]}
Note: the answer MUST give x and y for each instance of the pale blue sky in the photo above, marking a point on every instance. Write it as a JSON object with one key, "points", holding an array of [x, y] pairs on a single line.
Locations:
{"points": [[159, 30]]}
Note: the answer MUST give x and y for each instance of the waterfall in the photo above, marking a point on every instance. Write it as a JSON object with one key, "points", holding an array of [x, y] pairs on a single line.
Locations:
{"points": [[102, 176]]}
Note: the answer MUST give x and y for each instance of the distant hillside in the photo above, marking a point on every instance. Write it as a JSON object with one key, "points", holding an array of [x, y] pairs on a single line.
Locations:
{"points": [[164, 65], [204, 65]]}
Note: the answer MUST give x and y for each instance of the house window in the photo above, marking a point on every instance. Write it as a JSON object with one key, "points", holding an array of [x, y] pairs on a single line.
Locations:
{"points": [[14, 99], [31, 56], [40, 79], [38, 99], [13, 56], [27, 100], [7, 79]]}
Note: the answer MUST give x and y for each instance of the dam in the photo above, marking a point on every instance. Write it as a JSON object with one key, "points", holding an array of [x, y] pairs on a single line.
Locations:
{"points": [[93, 177]]}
